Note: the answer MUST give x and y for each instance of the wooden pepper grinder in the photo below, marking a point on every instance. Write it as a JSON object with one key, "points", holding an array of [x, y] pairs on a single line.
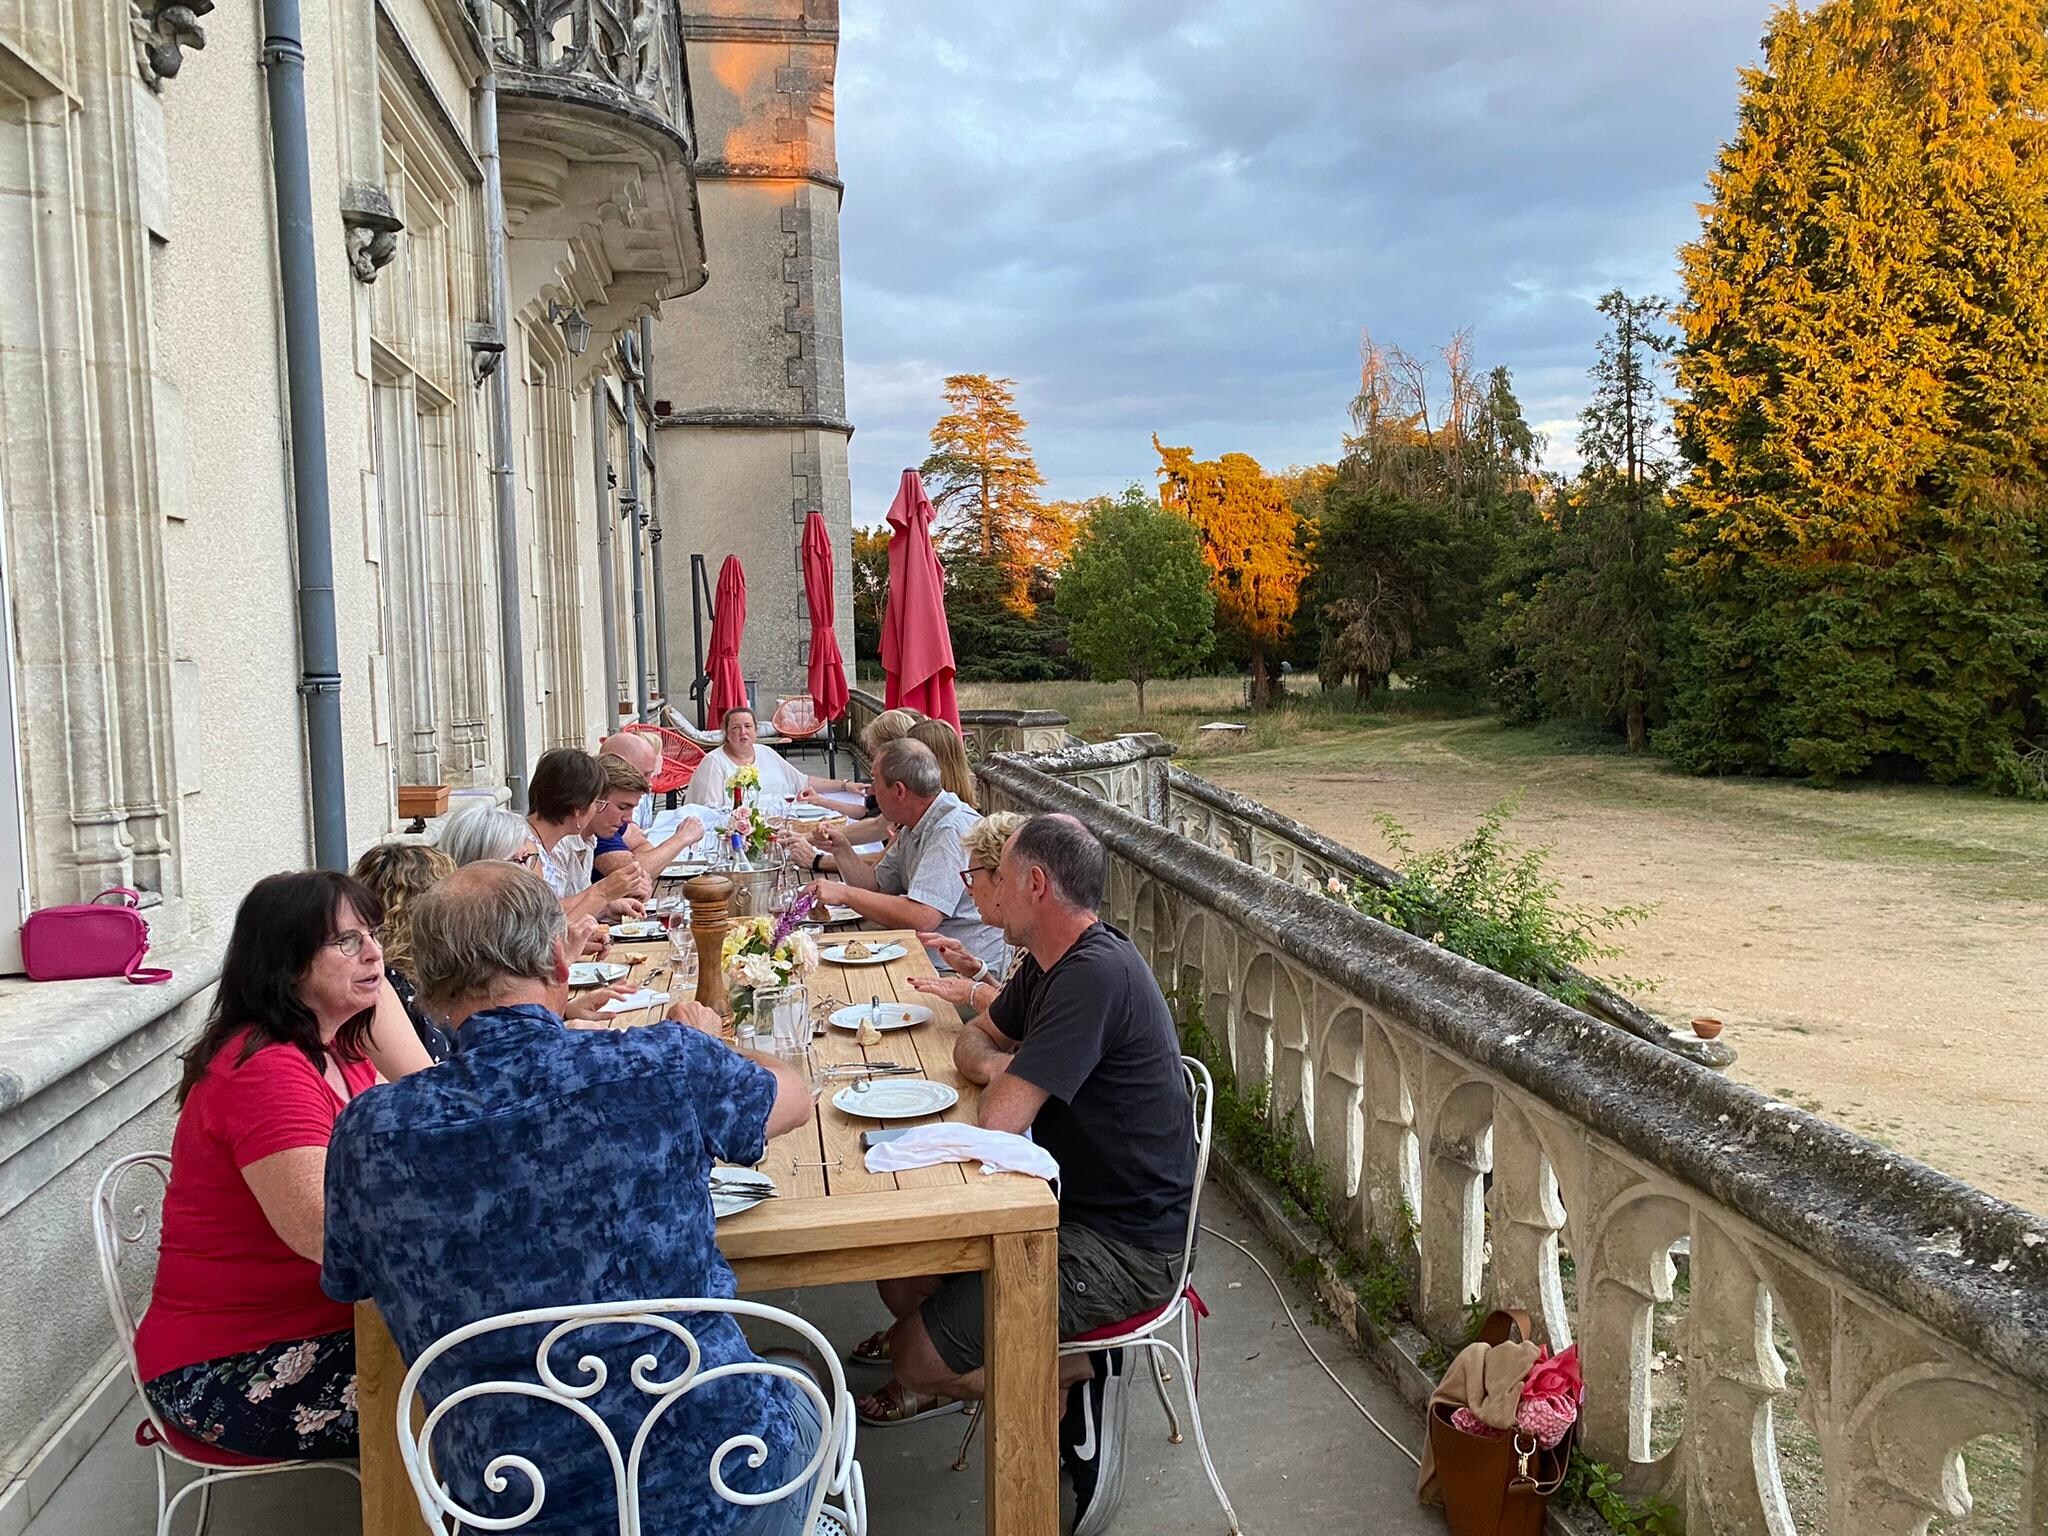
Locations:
{"points": [[710, 896]]}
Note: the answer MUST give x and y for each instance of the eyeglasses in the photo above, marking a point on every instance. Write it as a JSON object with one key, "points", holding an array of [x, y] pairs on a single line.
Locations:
{"points": [[528, 859], [350, 941], [967, 875]]}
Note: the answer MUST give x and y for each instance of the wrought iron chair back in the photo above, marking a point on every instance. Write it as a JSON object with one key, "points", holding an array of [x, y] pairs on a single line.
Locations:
{"points": [[830, 1473], [119, 1229]]}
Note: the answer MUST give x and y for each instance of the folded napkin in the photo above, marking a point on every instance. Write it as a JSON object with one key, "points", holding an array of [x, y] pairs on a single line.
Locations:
{"points": [[641, 999], [948, 1142]]}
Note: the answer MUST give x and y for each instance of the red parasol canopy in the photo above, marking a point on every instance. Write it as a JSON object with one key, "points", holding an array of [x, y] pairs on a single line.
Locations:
{"points": [[728, 623], [917, 648], [828, 667]]}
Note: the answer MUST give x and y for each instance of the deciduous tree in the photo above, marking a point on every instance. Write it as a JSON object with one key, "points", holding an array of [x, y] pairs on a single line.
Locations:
{"points": [[1136, 595], [1247, 524]]}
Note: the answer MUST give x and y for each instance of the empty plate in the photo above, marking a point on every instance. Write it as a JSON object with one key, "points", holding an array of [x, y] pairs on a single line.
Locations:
{"points": [[685, 869], [738, 1189], [897, 1098], [880, 954], [596, 973], [888, 1016], [809, 812]]}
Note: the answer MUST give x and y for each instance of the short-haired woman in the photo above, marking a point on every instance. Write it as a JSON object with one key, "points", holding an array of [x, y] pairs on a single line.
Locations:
{"points": [[239, 1347]]}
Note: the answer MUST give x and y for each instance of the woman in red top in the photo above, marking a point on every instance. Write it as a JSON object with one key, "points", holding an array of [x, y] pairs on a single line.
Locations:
{"points": [[240, 1348]]}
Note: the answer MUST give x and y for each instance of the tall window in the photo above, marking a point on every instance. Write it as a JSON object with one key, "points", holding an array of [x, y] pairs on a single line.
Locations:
{"points": [[430, 489], [558, 537]]}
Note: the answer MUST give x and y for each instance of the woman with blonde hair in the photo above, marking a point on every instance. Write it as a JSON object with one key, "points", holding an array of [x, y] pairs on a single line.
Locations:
{"points": [[399, 874], [954, 774]]}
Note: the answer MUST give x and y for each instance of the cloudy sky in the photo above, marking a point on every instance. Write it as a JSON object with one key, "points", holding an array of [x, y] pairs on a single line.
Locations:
{"points": [[1178, 215]]}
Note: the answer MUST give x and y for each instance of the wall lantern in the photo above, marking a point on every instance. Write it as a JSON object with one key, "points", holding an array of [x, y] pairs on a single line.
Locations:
{"points": [[575, 329]]}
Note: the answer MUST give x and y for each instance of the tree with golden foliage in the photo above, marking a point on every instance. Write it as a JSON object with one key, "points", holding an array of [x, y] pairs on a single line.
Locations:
{"points": [[984, 485], [1248, 525], [1863, 539]]}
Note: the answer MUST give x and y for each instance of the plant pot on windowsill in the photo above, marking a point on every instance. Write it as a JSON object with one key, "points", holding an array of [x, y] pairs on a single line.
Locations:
{"points": [[422, 800]]}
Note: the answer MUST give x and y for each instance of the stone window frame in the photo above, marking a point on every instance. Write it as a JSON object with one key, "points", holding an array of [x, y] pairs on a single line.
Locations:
{"points": [[93, 728], [438, 556]]}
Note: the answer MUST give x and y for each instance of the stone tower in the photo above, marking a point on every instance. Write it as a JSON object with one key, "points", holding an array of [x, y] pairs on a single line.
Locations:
{"points": [[752, 367]]}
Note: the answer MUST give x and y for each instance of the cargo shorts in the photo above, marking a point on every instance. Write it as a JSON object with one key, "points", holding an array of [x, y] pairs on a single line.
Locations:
{"points": [[1102, 1281]]}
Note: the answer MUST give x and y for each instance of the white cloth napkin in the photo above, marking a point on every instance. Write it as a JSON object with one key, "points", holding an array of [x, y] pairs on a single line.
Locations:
{"points": [[641, 999], [949, 1142]]}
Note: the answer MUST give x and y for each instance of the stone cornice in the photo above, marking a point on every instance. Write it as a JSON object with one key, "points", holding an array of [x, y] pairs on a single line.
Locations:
{"points": [[733, 170], [758, 420], [757, 29]]}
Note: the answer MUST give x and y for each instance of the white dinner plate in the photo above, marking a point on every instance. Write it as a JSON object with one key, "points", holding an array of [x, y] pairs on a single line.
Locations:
{"points": [[633, 1002], [738, 1179], [837, 954], [841, 915], [685, 869], [808, 812], [643, 929], [897, 1098], [888, 1016], [596, 973]]}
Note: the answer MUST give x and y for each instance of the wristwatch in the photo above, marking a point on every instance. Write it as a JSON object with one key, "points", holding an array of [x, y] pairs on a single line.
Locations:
{"points": [[817, 862]]}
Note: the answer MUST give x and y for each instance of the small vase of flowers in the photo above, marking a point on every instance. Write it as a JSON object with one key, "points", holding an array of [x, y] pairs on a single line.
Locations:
{"points": [[762, 953]]}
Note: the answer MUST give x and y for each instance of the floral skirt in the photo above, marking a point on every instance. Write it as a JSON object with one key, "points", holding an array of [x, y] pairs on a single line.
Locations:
{"points": [[291, 1401]]}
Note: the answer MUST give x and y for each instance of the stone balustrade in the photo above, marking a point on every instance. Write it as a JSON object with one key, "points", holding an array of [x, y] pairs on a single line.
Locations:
{"points": [[987, 731], [1852, 1320], [625, 54]]}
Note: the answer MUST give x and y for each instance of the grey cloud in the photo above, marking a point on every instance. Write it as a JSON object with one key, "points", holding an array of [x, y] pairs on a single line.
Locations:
{"points": [[1178, 217]]}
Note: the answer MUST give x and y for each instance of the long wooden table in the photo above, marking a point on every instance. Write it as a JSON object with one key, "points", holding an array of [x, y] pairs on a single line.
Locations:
{"points": [[835, 1222]]}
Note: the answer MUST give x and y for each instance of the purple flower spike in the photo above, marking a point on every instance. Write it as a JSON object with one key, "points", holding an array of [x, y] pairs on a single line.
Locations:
{"points": [[799, 909]]}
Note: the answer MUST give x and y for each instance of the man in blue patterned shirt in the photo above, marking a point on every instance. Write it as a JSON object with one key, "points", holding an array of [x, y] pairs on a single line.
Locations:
{"points": [[545, 1166]]}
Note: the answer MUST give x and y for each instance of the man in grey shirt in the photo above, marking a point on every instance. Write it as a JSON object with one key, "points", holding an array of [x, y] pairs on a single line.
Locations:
{"points": [[920, 882]]}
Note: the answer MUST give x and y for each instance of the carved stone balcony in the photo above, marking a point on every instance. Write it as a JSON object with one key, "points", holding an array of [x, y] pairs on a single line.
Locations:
{"points": [[595, 130]]}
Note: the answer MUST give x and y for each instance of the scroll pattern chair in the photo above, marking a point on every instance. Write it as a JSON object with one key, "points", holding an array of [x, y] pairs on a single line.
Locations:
{"points": [[832, 1473], [118, 1230], [679, 759], [797, 722], [1147, 1331]]}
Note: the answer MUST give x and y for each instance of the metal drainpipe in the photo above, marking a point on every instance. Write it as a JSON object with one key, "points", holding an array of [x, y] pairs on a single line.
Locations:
{"points": [[654, 532], [506, 490], [284, 64], [607, 601], [631, 502]]}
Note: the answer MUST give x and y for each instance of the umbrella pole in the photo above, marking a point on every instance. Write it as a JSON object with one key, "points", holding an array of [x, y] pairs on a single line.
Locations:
{"points": [[697, 605]]}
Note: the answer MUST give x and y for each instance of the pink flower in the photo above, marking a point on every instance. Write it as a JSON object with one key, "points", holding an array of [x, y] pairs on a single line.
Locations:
{"points": [[260, 1391], [306, 1421], [1556, 1376], [291, 1366], [348, 1395]]}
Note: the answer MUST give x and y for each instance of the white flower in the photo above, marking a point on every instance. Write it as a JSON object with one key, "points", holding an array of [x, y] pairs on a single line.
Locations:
{"points": [[1335, 886], [803, 948], [759, 971]]}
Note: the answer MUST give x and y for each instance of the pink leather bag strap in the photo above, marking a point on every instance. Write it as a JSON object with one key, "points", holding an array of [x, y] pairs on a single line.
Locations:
{"points": [[138, 973], [130, 897]]}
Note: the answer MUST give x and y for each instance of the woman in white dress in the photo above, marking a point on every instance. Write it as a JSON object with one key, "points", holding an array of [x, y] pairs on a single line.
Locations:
{"points": [[711, 784]]}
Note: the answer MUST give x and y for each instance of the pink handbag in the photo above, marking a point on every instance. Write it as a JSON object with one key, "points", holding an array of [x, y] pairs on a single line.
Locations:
{"points": [[89, 939]]}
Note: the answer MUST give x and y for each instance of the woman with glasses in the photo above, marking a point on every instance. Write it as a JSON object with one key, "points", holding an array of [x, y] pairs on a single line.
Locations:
{"points": [[240, 1348]]}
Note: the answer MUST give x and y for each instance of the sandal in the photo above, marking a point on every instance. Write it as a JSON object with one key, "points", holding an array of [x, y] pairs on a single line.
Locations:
{"points": [[872, 1350], [896, 1404]]}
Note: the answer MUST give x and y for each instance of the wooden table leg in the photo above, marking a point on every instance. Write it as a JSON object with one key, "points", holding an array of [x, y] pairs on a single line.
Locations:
{"points": [[389, 1505], [1021, 1319]]}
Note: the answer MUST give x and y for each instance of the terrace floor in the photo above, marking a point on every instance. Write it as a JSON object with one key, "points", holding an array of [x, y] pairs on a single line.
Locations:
{"points": [[1295, 1455]]}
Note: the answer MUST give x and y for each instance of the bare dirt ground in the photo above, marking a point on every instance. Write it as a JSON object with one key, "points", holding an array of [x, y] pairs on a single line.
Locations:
{"points": [[1879, 955]]}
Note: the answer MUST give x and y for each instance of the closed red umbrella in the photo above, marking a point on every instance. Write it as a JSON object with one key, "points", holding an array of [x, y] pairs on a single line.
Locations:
{"points": [[917, 648], [828, 667], [728, 623]]}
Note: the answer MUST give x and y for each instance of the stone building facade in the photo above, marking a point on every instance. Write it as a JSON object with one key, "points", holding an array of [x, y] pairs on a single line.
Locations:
{"points": [[154, 692]]}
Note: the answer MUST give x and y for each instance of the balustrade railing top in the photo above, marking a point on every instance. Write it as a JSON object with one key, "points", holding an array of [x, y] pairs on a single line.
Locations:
{"points": [[625, 54], [1483, 1129]]}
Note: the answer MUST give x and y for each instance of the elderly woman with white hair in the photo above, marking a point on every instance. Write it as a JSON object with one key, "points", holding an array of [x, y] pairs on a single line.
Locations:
{"points": [[492, 833]]}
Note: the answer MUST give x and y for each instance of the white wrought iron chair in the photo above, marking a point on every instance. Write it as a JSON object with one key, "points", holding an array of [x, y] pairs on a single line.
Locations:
{"points": [[1147, 1331], [115, 1232], [831, 1472]]}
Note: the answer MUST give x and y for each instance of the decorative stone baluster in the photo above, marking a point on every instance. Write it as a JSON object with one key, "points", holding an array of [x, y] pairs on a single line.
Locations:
{"points": [[1527, 1217]]}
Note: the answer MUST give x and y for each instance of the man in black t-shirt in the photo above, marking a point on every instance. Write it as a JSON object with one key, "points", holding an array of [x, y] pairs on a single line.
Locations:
{"points": [[1079, 1049]]}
